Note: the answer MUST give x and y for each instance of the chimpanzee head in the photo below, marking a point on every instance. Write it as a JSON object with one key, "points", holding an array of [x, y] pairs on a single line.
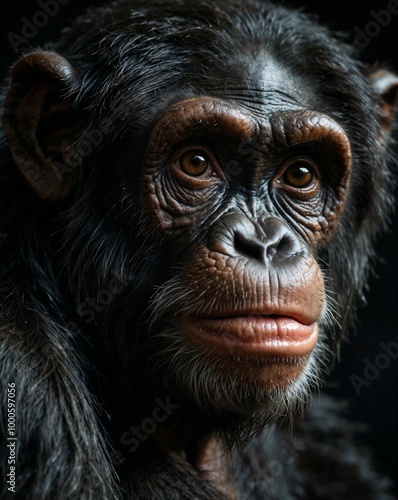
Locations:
{"points": [[207, 184]]}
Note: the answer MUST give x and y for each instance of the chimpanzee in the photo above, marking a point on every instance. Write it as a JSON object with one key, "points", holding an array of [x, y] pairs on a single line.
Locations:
{"points": [[190, 194]]}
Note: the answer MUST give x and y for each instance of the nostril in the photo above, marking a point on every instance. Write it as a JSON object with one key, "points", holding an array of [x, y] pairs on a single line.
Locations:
{"points": [[285, 247], [249, 246], [271, 240]]}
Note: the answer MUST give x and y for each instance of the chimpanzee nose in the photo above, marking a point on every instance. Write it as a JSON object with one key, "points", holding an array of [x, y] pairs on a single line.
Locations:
{"points": [[270, 240]]}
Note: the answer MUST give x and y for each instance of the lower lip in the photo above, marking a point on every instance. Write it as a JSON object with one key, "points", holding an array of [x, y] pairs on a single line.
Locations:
{"points": [[277, 336]]}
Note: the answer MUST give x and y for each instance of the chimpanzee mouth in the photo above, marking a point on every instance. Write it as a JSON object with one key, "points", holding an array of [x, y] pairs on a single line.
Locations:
{"points": [[279, 336]]}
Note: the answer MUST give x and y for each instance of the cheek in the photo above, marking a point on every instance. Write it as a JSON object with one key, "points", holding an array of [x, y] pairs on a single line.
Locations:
{"points": [[314, 220], [315, 227], [173, 207]]}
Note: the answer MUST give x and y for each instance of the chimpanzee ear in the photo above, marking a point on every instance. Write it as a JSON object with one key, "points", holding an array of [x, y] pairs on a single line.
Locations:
{"points": [[385, 85], [39, 122]]}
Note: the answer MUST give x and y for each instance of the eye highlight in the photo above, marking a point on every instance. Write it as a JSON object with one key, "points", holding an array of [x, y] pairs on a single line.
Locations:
{"points": [[194, 163]]}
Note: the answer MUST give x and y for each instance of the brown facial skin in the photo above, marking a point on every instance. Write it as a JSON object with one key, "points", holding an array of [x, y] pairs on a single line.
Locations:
{"points": [[254, 295]]}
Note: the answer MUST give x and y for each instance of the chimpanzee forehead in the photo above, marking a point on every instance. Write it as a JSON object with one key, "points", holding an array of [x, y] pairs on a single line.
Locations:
{"points": [[261, 85], [263, 61]]}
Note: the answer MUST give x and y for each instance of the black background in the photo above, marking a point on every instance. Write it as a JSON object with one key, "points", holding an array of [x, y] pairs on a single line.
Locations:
{"points": [[378, 402]]}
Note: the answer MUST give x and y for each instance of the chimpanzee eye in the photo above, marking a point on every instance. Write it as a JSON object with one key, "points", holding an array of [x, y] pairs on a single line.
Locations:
{"points": [[194, 163], [298, 175]]}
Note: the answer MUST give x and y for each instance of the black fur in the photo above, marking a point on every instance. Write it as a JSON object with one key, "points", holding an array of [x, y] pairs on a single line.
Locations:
{"points": [[78, 374]]}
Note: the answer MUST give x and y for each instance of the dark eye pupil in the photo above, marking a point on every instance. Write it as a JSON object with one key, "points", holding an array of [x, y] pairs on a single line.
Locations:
{"points": [[298, 176], [194, 164]]}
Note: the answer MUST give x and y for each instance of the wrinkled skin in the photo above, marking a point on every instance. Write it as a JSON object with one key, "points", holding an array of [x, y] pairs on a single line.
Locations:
{"points": [[252, 294]]}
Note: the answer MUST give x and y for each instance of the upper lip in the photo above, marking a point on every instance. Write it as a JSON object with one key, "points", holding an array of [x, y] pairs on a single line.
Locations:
{"points": [[298, 316]]}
